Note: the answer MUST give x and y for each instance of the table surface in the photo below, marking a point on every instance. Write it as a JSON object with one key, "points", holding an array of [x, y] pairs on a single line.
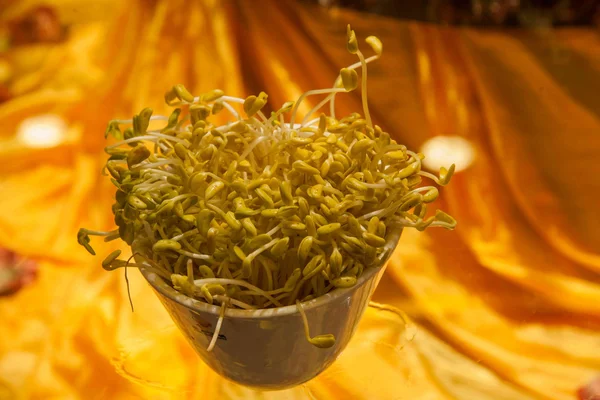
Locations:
{"points": [[507, 306]]}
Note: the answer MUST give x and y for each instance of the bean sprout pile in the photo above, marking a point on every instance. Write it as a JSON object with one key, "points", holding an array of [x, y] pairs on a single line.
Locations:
{"points": [[264, 210]]}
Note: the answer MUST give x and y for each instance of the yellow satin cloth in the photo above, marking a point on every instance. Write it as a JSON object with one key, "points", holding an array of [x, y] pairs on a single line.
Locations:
{"points": [[505, 307]]}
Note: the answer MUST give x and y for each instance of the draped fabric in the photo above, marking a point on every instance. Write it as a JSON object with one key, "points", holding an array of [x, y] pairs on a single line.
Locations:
{"points": [[507, 306]]}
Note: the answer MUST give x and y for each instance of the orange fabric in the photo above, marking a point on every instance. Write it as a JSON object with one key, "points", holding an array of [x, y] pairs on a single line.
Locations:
{"points": [[505, 307]]}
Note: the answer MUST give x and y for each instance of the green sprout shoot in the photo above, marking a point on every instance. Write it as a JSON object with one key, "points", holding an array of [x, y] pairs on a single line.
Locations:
{"points": [[263, 211]]}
